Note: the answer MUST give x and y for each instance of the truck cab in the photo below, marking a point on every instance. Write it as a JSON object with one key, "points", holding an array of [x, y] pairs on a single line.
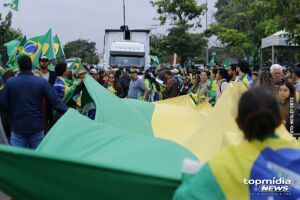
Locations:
{"points": [[127, 49]]}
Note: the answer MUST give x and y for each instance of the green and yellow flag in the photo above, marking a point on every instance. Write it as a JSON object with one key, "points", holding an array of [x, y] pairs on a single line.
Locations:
{"points": [[194, 128], [84, 159], [39, 46], [13, 51], [76, 66], [59, 52], [14, 5], [48, 47]]}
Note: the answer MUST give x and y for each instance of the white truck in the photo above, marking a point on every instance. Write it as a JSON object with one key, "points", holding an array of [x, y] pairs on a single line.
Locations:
{"points": [[127, 49]]}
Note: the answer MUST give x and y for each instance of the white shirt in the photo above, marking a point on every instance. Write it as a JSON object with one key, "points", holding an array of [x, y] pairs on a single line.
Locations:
{"points": [[46, 76]]}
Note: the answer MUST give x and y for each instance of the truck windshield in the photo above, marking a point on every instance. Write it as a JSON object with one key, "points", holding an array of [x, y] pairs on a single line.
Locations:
{"points": [[127, 61]]}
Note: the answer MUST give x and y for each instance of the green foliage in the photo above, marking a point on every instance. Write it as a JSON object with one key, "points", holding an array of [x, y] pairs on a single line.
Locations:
{"points": [[83, 49], [179, 12], [242, 24], [159, 47], [7, 34], [183, 16]]}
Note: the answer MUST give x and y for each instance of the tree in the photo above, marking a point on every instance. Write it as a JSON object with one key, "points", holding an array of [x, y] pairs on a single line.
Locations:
{"points": [[83, 49], [183, 16], [7, 34], [158, 47], [242, 24]]}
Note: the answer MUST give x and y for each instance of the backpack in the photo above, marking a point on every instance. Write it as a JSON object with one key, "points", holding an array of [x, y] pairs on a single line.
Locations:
{"points": [[220, 86]]}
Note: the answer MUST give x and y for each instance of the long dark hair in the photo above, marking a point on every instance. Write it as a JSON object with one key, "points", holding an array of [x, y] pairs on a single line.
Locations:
{"points": [[258, 114], [291, 88]]}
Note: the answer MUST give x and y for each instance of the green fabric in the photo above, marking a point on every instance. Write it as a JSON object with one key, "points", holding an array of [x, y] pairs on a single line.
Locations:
{"points": [[120, 113], [38, 46], [12, 61], [84, 159], [203, 186], [59, 52], [76, 66], [11, 49], [48, 48]]}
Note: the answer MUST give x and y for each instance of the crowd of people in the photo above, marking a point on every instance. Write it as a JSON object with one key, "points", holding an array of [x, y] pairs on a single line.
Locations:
{"points": [[31, 101]]}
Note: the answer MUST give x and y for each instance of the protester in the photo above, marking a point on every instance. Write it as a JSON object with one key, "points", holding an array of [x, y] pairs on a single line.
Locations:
{"points": [[254, 78], [113, 85], [203, 89], [244, 73], [232, 73], [22, 98], [137, 87], [287, 99], [296, 79], [49, 76], [222, 82], [153, 87], [262, 155], [185, 86], [63, 86], [94, 74], [46, 73], [172, 87], [124, 79], [277, 74], [265, 81]]}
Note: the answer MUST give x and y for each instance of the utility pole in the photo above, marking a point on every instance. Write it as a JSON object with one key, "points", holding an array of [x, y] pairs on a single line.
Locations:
{"points": [[206, 29], [124, 16]]}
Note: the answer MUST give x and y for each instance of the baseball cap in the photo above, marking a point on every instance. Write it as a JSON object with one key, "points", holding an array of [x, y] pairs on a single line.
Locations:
{"points": [[93, 71], [44, 58]]}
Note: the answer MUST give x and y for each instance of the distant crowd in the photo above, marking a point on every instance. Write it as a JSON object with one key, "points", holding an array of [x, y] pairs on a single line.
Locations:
{"points": [[31, 101]]}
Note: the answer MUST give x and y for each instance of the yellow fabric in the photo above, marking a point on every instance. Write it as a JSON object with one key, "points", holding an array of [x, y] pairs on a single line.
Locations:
{"points": [[232, 165], [219, 129], [187, 102], [175, 123]]}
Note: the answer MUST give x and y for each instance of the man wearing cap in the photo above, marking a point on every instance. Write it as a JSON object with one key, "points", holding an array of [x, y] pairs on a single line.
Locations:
{"points": [[296, 79], [94, 73], [50, 77], [47, 75], [137, 87]]}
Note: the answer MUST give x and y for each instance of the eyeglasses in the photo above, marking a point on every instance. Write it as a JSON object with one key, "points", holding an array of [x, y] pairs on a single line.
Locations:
{"points": [[111, 77]]}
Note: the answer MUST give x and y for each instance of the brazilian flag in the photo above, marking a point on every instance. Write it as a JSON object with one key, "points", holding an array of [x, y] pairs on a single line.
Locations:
{"points": [[39, 46], [76, 66], [14, 5], [59, 52], [14, 47]]}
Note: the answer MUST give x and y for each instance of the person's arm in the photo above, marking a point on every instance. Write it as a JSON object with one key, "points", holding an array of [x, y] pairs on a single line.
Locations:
{"points": [[144, 88], [53, 99]]}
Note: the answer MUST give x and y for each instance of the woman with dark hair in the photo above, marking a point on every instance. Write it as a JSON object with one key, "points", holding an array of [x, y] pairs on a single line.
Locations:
{"points": [[203, 87], [261, 160], [287, 99], [195, 83], [222, 81], [113, 85]]}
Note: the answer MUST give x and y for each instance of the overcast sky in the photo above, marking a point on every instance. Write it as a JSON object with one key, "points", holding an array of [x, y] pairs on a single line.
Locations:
{"points": [[73, 19]]}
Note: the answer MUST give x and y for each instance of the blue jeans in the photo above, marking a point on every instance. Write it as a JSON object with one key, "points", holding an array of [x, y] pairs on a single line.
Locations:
{"points": [[26, 141]]}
